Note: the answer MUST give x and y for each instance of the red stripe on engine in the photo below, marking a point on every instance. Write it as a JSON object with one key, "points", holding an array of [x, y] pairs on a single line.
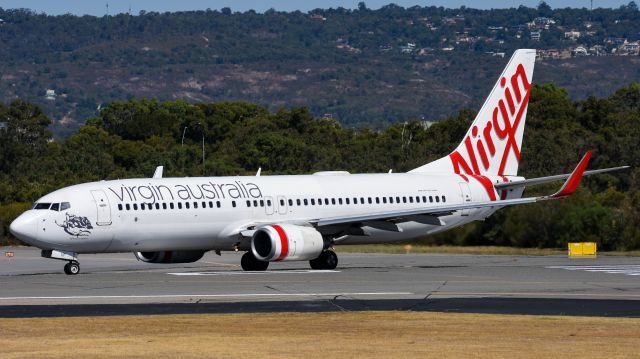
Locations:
{"points": [[284, 242]]}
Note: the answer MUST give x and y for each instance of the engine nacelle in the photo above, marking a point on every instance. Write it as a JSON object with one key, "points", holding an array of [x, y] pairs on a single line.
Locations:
{"points": [[286, 242], [170, 256]]}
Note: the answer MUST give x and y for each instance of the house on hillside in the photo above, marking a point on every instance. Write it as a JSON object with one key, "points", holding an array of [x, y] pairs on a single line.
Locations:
{"points": [[50, 95], [318, 17], [535, 35], [541, 23], [580, 51], [573, 35], [631, 48]]}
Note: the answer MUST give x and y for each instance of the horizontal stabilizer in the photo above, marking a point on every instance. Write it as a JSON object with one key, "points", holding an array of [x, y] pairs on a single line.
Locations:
{"points": [[541, 180]]}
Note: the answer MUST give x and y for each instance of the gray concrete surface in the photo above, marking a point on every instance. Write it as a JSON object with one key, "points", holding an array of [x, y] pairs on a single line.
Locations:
{"points": [[119, 284]]}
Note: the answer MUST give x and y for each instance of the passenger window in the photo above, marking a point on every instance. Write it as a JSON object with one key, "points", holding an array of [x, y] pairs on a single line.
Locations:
{"points": [[313, 202], [340, 201], [218, 204], [347, 200], [384, 200], [361, 200], [261, 203], [179, 205], [204, 204], [119, 206], [282, 202], [195, 204], [377, 200], [233, 204], [369, 200], [269, 202], [127, 207], [248, 203], [171, 205], [424, 199], [305, 202], [157, 205], [355, 200], [437, 198], [290, 202], [135, 206], [404, 199], [186, 205], [417, 199], [210, 204], [397, 199], [64, 206], [390, 199], [164, 206], [298, 202], [55, 207], [430, 199], [141, 206], [410, 199]]}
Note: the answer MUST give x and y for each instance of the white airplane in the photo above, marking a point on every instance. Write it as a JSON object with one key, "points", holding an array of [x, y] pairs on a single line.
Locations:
{"points": [[299, 218]]}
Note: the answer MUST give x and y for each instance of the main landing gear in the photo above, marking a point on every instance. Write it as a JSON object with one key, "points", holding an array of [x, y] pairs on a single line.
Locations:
{"points": [[327, 260], [250, 263]]}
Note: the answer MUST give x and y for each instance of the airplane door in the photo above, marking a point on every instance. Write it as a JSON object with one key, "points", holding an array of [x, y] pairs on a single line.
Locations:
{"points": [[466, 196], [282, 205], [268, 208], [104, 209]]}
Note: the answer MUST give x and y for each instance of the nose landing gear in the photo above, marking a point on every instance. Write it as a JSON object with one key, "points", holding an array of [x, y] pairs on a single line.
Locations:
{"points": [[72, 267]]}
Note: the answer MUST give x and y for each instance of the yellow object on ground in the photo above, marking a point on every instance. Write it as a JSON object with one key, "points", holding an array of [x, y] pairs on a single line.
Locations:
{"points": [[582, 249]]}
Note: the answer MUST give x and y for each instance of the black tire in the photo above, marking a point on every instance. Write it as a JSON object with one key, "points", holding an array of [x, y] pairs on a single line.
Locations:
{"points": [[250, 263], [327, 260], [72, 268]]}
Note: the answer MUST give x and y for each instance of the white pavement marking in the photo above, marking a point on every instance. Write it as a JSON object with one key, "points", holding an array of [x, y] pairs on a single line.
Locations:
{"points": [[239, 295], [253, 273], [629, 269]]}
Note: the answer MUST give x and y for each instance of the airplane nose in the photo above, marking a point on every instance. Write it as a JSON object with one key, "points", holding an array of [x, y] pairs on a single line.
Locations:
{"points": [[24, 228]]}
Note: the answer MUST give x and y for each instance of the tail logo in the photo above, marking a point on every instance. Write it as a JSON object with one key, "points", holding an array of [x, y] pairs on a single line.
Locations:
{"points": [[497, 139]]}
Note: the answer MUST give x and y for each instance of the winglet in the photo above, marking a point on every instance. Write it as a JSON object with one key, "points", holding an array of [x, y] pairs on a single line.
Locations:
{"points": [[158, 172], [574, 180]]}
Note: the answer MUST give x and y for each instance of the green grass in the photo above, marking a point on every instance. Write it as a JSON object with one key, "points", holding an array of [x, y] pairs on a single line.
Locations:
{"points": [[413, 248]]}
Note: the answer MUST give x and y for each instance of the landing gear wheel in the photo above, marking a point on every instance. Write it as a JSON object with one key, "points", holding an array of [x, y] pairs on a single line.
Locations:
{"points": [[250, 263], [327, 260], [72, 268]]}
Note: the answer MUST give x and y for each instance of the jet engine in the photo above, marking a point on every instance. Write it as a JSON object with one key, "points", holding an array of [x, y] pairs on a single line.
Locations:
{"points": [[286, 242], [169, 256]]}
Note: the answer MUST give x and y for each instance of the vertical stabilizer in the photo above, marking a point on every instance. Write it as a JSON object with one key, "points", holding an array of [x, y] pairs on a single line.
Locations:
{"points": [[492, 143]]}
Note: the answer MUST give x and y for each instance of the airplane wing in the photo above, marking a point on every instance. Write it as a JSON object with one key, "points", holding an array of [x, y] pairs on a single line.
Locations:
{"points": [[430, 214]]}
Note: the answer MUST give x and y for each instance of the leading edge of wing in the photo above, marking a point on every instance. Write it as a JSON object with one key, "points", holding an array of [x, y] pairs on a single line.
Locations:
{"points": [[569, 186]]}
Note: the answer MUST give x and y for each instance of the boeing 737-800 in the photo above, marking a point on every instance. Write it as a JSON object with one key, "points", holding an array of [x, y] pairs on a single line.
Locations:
{"points": [[299, 218]]}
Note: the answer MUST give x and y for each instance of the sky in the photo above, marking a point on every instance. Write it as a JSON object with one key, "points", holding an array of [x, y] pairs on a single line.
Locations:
{"points": [[99, 8]]}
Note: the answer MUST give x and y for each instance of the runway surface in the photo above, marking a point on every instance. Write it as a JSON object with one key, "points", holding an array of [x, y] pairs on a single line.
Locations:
{"points": [[117, 284]]}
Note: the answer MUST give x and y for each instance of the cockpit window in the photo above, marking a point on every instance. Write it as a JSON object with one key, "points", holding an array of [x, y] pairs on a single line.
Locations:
{"points": [[55, 206], [64, 206], [41, 205]]}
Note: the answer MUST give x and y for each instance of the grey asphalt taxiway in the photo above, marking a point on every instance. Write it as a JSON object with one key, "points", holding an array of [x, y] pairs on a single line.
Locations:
{"points": [[118, 284]]}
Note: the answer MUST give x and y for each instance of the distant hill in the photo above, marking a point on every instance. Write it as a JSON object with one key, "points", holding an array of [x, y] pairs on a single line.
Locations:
{"points": [[361, 67]]}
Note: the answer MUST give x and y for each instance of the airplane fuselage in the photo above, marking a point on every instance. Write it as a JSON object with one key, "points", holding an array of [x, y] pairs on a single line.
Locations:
{"points": [[208, 213]]}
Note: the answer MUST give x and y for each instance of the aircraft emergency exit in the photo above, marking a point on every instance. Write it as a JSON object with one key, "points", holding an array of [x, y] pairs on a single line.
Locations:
{"points": [[299, 218]]}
